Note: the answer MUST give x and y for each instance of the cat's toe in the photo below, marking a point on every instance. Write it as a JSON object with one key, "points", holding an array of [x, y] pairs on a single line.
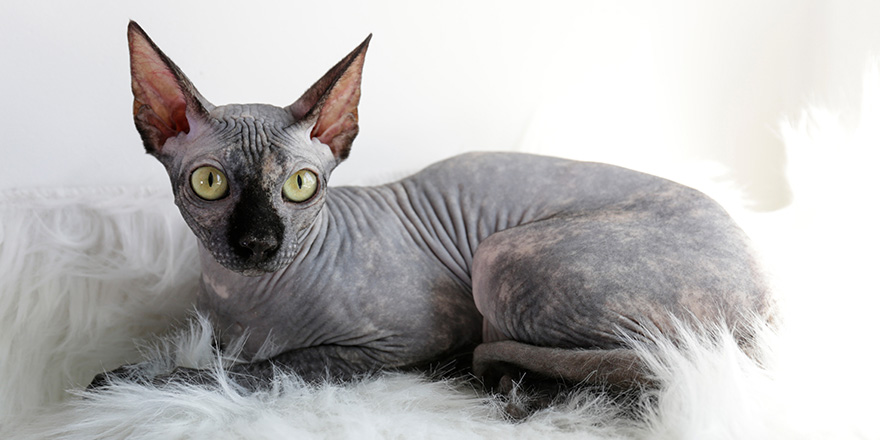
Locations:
{"points": [[125, 373], [100, 381]]}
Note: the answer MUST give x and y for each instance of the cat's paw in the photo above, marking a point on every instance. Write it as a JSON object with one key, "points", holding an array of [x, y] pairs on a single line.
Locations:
{"points": [[138, 374], [186, 376], [100, 381], [125, 373]]}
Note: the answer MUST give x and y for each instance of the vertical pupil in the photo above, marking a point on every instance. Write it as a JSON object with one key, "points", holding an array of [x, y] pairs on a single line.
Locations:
{"points": [[299, 181], [210, 179]]}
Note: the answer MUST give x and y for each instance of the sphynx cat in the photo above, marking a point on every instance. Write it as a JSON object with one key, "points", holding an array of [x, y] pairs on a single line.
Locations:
{"points": [[529, 264]]}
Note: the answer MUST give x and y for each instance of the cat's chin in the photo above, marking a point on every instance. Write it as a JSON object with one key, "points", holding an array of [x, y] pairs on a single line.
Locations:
{"points": [[242, 266], [256, 271], [250, 270]]}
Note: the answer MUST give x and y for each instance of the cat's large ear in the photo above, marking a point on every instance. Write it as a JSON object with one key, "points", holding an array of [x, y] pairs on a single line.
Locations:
{"points": [[331, 103], [166, 103]]}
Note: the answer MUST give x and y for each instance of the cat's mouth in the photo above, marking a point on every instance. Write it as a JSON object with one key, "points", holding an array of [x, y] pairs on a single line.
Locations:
{"points": [[250, 270], [250, 267]]}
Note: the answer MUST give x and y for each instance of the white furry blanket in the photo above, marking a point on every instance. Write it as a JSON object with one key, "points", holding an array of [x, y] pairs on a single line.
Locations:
{"points": [[84, 273]]}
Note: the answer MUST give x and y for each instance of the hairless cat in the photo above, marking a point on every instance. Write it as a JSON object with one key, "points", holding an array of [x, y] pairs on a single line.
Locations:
{"points": [[526, 263]]}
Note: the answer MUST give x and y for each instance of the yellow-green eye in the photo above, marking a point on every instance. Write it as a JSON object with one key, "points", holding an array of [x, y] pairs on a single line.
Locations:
{"points": [[300, 186], [209, 183]]}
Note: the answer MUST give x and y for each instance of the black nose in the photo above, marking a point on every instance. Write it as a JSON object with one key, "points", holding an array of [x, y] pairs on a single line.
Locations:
{"points": [[256, 231], [258, 246]]}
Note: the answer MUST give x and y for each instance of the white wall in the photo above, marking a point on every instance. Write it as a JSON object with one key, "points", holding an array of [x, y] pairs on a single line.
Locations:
{"points": [[635, 83]]}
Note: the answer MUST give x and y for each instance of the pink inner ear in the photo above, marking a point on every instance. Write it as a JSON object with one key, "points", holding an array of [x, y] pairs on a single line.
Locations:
{"points": [[340, 126], [339, 112], [155, 86]]}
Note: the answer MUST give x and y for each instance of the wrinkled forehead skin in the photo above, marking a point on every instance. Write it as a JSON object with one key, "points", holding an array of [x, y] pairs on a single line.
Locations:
{"points": [[251, 140]]}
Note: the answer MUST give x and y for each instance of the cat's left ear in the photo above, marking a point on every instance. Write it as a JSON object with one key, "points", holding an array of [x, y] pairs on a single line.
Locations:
{"points": [[331, 103]]}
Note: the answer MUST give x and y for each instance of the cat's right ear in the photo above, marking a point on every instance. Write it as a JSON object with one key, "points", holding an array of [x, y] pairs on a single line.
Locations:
{"points": [[166, 103]]}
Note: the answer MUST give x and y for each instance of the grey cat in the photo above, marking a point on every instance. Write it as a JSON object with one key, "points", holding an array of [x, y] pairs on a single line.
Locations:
{"points": [[522, 263]]}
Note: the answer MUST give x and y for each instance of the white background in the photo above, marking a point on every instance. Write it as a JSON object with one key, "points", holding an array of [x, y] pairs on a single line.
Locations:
{"points": [[635, 82]]}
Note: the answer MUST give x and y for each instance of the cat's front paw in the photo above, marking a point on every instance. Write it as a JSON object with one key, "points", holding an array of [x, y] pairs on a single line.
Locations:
{"points": [[186, 376], [125, 373], [134, 374], [138, 374], [100, 381]]}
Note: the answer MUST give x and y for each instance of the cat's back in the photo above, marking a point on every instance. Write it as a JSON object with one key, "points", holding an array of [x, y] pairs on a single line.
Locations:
{"points": [[499, 181]]}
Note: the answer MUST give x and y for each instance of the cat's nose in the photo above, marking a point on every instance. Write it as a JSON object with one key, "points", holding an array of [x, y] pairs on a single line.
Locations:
{"points": [[259, 245]]}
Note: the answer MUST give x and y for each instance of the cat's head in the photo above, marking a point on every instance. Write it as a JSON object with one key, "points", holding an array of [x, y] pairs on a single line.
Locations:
{"points": [[249, 179]]}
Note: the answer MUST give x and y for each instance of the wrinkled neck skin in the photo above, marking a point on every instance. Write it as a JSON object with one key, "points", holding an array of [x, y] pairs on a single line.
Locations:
{"points": [[225, 294], [358, 278]]}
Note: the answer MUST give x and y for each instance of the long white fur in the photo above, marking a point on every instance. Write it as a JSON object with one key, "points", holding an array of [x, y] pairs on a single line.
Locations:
{"points": [[84, 273]]}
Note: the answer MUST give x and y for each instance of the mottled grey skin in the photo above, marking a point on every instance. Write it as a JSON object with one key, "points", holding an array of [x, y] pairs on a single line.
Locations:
{"points": [[540, 250], [540, 263]]}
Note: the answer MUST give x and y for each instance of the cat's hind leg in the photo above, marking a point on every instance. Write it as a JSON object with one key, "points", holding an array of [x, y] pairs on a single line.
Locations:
{"points": [[616, 370], [562, 298]]}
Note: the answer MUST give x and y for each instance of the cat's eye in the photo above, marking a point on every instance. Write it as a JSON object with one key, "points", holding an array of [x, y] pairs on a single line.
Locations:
{"points": [[209, 183], [301, 186]]}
